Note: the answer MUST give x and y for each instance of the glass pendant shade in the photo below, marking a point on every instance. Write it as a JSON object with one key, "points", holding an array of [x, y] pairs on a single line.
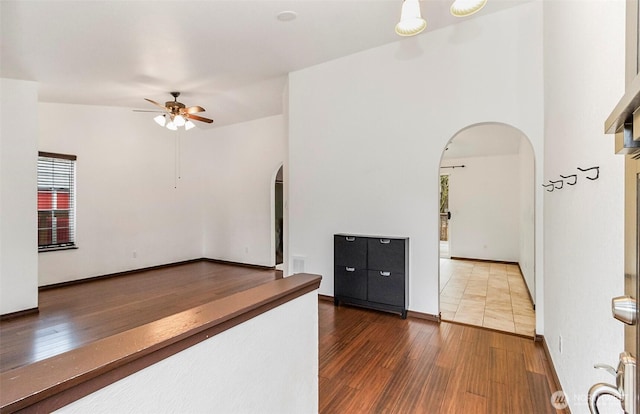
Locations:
{"points": [[411, 22], [188, 125], [462, 8], [178, 120], [160, 120], [172, 126]]}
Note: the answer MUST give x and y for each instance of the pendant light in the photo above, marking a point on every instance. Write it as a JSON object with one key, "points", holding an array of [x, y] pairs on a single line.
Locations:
{"points": [[462, 8], [160, 120], [411, 22]]}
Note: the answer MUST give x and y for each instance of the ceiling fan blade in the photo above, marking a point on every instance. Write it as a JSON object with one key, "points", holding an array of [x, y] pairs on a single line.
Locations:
{"points": [[145, 110], [156, 104], [194, 109], [199, 118]]}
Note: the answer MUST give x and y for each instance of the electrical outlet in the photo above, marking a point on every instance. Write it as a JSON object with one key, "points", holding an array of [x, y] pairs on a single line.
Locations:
{"points": [[560, 343]]}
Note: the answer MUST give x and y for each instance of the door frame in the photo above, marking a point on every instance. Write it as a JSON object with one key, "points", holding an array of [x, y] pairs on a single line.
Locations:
{"points": [[274, 179], [448, 175]]}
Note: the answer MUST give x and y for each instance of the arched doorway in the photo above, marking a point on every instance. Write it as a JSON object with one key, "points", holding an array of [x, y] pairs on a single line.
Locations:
{"points": [[278, 218], [488, 277]]}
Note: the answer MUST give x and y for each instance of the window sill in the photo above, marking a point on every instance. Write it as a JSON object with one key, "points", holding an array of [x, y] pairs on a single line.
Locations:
{"points": [[55, 249]]}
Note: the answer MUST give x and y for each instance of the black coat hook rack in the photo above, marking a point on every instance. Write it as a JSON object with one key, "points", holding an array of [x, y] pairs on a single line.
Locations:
{"points": [[571, 179], [589, 169], [574, 176], [556, 182]]}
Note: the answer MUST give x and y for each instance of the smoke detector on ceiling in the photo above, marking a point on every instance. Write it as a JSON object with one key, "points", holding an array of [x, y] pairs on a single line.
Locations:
{"points": [[287, 16]]}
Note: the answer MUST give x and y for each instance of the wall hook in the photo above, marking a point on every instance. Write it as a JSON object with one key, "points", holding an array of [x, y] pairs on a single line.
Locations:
{"points": [[575, 179], [589, 169], [549, 185], [556, 182]]}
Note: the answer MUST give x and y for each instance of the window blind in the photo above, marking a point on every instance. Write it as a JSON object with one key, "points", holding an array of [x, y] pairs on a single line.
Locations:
{"points": [[56, 201]]}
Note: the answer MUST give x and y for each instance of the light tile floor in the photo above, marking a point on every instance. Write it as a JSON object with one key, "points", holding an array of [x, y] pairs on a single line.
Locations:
{"points": [[492, 295]]}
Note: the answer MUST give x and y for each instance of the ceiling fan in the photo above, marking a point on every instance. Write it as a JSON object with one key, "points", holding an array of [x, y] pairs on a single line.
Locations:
{"points": [[177, 114]]}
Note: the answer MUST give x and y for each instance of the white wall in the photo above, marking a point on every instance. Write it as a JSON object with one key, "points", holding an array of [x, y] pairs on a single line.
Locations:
{"points": [[247, 369], [584, 79], [239, 165], [485, 207], [18, 189], [366, 133], [128, 198], [527, 217]]}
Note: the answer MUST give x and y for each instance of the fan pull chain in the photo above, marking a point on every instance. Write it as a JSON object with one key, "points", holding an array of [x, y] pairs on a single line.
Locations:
{"points": [[177, 169]]}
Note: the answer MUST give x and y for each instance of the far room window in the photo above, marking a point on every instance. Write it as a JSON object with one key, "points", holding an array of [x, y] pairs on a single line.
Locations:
{"points": [[56, 201]]}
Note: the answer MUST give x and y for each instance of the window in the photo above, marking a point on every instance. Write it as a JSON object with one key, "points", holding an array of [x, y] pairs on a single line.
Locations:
{"points": [[56, 201]]}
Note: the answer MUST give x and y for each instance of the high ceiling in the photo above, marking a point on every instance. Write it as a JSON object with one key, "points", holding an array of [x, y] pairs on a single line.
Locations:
{"points": [[231, 57]]}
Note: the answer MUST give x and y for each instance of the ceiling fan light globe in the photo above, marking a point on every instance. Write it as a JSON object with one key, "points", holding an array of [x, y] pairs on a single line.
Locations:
{"points": [[411, 21], [188, 125], [462, 8], [179, 120], [172, 126], [160, 120]]}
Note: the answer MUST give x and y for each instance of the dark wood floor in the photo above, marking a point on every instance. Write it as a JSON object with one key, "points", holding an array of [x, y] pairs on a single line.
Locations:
{"points": [[75, 315], [372, 362]]}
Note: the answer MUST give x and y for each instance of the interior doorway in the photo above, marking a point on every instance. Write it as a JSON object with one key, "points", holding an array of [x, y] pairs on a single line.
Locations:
{"points": [[486, 274], [445, 215], [278, 218]]}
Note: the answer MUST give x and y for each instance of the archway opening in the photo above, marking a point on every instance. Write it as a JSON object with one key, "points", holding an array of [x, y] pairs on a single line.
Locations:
{"points": [[278, 218], [487, 275]]}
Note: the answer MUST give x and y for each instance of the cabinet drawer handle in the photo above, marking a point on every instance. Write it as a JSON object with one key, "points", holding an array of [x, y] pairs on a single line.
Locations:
{"points": [[385, 274], [350, 269], [385, 241], [350, 238]]}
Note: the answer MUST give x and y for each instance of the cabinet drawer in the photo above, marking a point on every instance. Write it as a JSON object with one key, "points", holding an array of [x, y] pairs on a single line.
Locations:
{"points": [[386, 254], [350, 251], [350, 282], [386, 287]]}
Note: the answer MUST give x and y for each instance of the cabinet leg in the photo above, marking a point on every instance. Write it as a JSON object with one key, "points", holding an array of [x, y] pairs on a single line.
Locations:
{"points": [[404, 314], [336, 302]]}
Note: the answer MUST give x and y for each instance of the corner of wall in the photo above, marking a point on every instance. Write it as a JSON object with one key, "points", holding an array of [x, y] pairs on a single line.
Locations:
{"points": [[18, 183]]}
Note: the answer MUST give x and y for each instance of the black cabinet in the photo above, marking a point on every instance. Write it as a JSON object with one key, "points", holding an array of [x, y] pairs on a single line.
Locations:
{"points": [[371, 271]]}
